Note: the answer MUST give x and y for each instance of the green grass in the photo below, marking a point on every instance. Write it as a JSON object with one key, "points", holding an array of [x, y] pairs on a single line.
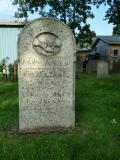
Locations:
{"points": [[97, 133]]}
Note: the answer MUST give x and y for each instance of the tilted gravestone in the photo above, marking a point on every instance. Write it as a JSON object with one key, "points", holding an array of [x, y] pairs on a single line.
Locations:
{"points": [[102, 70], [46, 50]]}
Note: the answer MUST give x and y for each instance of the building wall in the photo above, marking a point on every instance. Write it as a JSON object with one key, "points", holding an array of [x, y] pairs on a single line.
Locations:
{"points": [[8, 42], [102, 48], [111, 51]]}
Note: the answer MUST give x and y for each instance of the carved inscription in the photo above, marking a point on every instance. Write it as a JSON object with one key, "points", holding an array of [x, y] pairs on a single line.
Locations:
{"points": [[47, 44], [33, 61]]}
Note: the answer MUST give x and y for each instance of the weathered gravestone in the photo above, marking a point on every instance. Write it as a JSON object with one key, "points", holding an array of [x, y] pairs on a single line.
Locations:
{"points": [[102, 70], [46, 50]]}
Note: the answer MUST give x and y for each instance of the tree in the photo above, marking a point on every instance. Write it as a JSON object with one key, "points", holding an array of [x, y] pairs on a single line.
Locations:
{"points": [[85, 37], [72, 12], [113, 16], [112, 13], [3, 62], [116, 30]]}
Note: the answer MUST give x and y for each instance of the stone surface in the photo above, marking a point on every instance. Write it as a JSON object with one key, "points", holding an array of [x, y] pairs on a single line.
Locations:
{"points": [[46, 49], [102, 70], [92, 66]]}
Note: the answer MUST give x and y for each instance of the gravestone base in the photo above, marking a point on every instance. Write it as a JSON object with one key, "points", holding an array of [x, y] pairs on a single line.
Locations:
{"points": [[46, 130], [102, 77]]}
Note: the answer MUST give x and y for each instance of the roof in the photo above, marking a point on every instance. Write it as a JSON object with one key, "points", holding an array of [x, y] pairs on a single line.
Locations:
{"points": [[12, 23], [84, 50], [107, 39]]}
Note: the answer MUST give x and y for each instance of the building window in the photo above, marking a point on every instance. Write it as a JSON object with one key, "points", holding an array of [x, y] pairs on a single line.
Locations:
{"points": [[115, 52]]}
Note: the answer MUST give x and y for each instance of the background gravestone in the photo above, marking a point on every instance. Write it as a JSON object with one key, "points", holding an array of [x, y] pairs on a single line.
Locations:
{"points": [[102, 70], [46, 50], [91, 66]]}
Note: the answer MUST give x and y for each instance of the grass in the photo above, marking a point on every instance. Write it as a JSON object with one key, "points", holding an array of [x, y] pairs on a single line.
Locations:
{"points": [[97, 133]]}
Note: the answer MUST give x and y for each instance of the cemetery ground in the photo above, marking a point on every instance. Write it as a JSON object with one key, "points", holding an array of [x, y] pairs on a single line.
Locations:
{"points": [[97, 133]]}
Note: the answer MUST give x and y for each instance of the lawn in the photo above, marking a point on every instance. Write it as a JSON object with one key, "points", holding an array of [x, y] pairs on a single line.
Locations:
{"points": [[97, 133]]}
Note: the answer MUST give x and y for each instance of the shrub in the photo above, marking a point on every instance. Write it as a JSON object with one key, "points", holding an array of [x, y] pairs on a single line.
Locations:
{"points": [[2, 62]]}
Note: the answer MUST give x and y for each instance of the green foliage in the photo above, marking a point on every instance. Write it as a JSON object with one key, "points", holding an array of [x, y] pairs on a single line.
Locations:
{"points": [[113, 16], [85, 37], [112, 13], [2, 62], [116, 30], [97, 133], [73, 12]]}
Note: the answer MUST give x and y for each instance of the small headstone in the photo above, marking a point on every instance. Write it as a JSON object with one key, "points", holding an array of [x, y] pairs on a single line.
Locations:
{"points": [[102, 70], [46, 76], [4, 69]]}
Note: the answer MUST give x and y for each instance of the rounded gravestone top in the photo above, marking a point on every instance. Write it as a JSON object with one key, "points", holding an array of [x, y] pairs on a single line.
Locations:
{"points": [[46, 37]]}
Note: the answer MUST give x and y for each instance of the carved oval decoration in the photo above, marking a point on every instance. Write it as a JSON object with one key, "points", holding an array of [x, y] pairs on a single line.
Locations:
{"points": [[47, 44]]}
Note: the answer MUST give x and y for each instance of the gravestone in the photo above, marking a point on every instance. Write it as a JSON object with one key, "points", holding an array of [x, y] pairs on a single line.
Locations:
{"points": [[92, 66], [102, 70], [46, 49], [116, 67], [79, 69]]}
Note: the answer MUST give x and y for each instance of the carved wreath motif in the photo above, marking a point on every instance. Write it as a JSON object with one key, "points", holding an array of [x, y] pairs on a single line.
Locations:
{"points": [[47, 44]]}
